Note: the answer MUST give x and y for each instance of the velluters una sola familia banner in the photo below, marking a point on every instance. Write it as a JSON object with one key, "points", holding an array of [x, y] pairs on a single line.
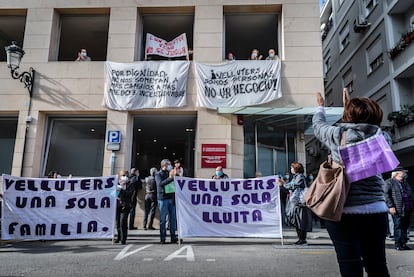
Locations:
{"points": [[148, 84], [58, 209], [238, 84], [228, 207]]}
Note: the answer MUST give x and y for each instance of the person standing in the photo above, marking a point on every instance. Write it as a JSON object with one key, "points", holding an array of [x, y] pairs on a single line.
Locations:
{"points": [[166, 201], [400, 201], [297, 213], [150, 199], [359, 237], [125, 193], [219, 173], [136, 184]]}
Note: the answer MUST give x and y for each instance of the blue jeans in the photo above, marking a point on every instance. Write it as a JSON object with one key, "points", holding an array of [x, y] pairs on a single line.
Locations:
{"points": [[167, 206], [401, 225], [359, 241]]}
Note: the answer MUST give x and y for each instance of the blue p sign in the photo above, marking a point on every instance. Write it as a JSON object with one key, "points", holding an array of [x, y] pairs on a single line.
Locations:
{"points": [[114, 137]]}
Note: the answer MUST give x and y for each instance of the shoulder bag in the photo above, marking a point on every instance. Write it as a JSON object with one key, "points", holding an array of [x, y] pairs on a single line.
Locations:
{"points": [[327, 195]]}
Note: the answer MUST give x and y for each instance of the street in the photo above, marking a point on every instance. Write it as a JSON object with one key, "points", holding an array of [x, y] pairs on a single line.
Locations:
{"points": [[143, 255]]}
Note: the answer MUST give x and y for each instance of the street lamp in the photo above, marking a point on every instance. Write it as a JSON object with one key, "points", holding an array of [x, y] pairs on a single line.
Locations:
{"points": [[14, 56]]}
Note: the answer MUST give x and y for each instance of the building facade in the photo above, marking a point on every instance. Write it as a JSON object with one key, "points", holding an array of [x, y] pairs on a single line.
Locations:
{"points": [[368, 47], [64, 126]]}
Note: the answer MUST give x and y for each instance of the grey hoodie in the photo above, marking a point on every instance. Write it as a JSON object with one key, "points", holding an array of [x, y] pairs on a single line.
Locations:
{"points": [[364, 191]]}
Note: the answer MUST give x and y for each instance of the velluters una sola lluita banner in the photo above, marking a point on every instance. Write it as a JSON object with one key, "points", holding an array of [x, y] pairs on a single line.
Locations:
{"points": [[58, 209]]}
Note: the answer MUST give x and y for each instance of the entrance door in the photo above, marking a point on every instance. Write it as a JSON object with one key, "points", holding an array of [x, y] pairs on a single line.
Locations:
{"points": [[271, 161], [158, 137]]}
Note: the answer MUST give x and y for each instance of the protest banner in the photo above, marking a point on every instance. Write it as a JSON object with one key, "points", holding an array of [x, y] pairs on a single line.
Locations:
{"points": [[58, 209], [238, 83], [157, 46], [228, 207], [132, 86]]}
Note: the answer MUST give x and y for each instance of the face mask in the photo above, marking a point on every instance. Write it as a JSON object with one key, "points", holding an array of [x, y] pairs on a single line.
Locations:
{"points": [[169, 167], [292, 171], [310, 178], [254, 54], [124, 178], [405, 176], [287, 177], [84, 54], [219, 173], [271, 55]]}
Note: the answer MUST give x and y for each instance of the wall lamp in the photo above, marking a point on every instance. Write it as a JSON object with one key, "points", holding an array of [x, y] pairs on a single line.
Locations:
{"points": [[14, 57]]}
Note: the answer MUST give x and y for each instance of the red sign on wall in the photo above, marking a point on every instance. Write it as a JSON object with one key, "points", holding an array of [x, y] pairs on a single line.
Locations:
{"points": [[213, 155]]}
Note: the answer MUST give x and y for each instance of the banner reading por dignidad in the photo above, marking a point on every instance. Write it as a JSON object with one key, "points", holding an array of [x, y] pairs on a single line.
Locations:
{"points": [[228, 207], [58, 209]]}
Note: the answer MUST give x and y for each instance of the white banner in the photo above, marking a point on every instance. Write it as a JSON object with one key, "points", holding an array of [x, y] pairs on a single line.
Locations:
{"points": [[58, 209], [175, 48], [154, 84], [238, 83], [228, 207]]}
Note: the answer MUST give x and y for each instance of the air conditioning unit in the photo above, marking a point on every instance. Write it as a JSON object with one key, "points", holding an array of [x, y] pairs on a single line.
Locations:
{"points": [[360, 24]]}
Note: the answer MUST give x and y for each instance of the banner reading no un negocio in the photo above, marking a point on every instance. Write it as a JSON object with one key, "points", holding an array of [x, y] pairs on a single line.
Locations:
{"points": [[238, 84], [148, 84], [58, 209]]}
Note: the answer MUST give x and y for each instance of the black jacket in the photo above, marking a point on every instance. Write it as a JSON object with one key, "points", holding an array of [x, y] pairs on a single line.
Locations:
{"points": [[162, 178], [393, 195]]}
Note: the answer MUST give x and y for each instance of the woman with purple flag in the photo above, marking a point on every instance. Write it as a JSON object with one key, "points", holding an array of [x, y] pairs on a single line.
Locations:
{"points": [[359, 237]]}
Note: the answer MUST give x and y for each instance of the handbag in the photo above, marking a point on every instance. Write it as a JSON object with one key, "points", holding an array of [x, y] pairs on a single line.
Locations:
{"points": [[170, 188], [327, 195]]}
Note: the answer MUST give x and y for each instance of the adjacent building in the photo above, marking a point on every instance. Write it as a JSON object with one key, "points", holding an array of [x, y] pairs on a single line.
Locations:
{"points": [[368, 47]]}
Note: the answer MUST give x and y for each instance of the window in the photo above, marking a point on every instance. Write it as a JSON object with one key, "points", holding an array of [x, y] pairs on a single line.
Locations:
{"points": [[167, 25], [77, 31], [75, 146], [369, 5], [247, 31], [374, 54], [344, 37], [8, 127], [327, 62], [11, 29], [347, 81]]}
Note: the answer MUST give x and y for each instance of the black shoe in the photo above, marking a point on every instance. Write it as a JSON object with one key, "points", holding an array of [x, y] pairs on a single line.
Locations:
{"points": [[174, 240], [162, 242], [116, 241], [145, 228], [123, 242], [400, 248], [133, 228], [151, 228], [301, 242], [406, 247]]}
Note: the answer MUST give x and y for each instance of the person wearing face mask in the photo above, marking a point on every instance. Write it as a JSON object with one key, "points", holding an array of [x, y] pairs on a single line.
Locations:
{"points": [[166, 201], [255, 55], [272, 55], [400, 201], [220, 174], [83, 56], [125, 194]]}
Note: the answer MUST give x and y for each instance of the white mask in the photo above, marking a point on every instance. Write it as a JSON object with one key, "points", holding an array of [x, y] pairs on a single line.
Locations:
{"points": [[124, 178], [84, 54]]}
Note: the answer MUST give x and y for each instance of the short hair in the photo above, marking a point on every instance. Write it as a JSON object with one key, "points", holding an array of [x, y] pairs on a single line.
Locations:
{"points": [[362, 110], [164, 162], [153, 171], [298, 167]]}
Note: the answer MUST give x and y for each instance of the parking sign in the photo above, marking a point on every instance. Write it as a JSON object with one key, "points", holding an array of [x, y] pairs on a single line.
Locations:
{"points": [[114, 137]]}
